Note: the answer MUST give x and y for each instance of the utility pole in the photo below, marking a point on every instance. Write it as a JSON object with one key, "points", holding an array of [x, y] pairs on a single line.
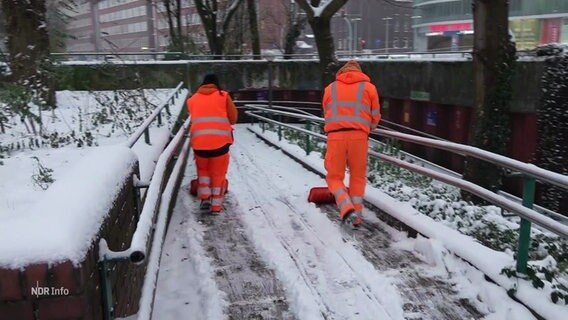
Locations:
{"points": [[386, 20], [350, 34]]}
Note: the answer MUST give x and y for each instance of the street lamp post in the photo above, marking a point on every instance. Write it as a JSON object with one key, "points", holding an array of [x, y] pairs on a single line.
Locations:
{"points": [[269, 58], [356, 36], [350, 34], [386, 20], [415, 41]]}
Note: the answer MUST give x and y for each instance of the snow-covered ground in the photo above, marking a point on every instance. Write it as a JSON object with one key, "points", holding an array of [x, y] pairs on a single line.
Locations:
{"points": [[489, 261], [80, 137], [325, 273]]}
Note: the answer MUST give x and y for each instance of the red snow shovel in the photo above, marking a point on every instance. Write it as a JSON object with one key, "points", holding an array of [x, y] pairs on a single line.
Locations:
{"points": [[195, 182], [321, 195]]}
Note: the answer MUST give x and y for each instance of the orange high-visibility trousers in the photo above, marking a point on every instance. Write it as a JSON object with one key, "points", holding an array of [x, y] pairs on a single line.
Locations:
{"points": [[211, 174], [347, 148]]}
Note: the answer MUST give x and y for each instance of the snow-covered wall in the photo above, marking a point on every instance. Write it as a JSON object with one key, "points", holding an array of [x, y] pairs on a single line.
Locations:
{"points": [[53, 245]]}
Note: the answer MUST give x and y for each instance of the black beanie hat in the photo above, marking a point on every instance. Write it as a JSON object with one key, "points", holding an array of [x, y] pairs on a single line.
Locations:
{"points": [[211, 78]]}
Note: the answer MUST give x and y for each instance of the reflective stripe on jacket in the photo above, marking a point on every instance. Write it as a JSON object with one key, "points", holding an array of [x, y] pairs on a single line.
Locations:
{"points": [[210, 127], [351, 102]]}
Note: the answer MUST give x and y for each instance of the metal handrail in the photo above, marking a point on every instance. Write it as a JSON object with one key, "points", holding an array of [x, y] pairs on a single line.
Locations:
{"points": [[149, 288], [378, 54], [510, 205], [540, 174], [136, 252], [411, 130], [143, 129]]}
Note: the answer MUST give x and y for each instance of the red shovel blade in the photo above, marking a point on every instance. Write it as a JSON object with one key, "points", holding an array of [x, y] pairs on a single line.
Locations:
{"points": [[193, 187], [321, 195], [194, 183]]}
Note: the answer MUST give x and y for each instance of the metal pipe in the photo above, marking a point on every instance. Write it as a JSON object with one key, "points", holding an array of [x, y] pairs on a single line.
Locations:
{"points": [[142, 129], [501, 201], [540, 174]]}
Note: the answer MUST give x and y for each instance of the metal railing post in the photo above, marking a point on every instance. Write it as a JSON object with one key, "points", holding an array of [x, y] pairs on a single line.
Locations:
{"points": [[106, 289], [280, 128], [159, 119], [147, 136], [308, 142], [525, 228]]}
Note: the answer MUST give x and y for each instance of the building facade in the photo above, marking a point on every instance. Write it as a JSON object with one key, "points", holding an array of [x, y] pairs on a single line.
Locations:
{"points": [[142, 25], [448, 24], [380, 26]]}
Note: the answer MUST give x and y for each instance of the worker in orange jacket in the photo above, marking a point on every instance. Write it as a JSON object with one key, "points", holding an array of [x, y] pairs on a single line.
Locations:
{"points": [[351, 110], [212, 115]]}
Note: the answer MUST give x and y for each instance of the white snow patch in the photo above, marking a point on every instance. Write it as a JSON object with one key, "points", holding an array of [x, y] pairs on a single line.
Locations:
{"points": [[67, 217], [186, 283]]}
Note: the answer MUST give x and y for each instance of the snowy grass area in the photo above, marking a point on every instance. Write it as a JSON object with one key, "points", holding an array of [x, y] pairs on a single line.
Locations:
{"points": [[442, 209], [44, 175]]}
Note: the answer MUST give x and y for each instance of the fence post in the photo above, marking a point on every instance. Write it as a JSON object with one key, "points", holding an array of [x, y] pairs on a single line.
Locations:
{"points": [[106, 290], [525, 229], [308, 142], [159, 118], [147, 136], [280, 128]]}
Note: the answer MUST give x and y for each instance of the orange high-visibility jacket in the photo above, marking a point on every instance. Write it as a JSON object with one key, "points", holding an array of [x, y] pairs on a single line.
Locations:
{"points": [[351, 102], [210, 125]]}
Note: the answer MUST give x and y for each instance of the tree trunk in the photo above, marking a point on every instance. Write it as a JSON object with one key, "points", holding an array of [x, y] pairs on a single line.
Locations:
{"points": [[294, 30], [208, 13], [493, 63], [171, 27], [321, 27], [253, 23], [28, 45], [180, 39]]}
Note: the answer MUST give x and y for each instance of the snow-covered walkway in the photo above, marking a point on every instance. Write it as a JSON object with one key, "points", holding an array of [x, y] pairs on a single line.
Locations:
{"points": [[273, 255]]}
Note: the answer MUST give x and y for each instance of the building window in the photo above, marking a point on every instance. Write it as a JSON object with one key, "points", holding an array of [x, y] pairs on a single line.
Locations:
{"points": [[395, 43], [396, 26], [405, 43]]}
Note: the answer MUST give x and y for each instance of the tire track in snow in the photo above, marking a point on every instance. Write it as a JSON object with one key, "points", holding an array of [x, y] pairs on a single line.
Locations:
{"points": [[252, 289], [210, 270], [341, 282]]}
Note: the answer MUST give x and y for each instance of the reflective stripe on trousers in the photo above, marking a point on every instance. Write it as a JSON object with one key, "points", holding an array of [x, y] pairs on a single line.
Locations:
{"points": [[203, 190], [342, 200], [216, 196]]}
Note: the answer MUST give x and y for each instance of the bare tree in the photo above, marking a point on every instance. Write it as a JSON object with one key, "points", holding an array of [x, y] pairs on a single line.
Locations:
{"points": [[216, 17], [493, 62], [319, 14], [296, 23], [173, 16], [28, 47], [253, 24]]}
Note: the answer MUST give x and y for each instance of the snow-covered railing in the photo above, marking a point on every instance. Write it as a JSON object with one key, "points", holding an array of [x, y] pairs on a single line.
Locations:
{"points": [[157, 197], [148, 290], [530, 172], [540, 174], [144, 128]]}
